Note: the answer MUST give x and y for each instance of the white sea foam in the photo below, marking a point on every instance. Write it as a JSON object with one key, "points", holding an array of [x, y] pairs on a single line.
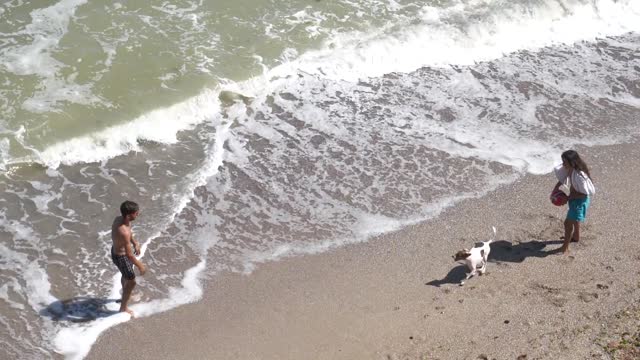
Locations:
{"points": [[18, 230], [496, 145], [47, 28], [437, 41], [36, 288], [160, 125], [76, 341], [56, 91], [4, 295], [442, 39], [5, 146]]}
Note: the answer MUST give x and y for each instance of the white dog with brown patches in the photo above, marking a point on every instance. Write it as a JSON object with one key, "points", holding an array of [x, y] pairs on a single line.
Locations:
{"points": [[476, 258]]}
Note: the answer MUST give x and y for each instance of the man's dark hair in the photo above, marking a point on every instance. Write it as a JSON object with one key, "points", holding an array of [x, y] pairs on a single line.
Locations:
{"points": [[128, 207]]}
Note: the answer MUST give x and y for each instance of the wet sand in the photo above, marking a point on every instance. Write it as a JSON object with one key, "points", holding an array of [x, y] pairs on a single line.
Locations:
{"points": [[397, 296]]}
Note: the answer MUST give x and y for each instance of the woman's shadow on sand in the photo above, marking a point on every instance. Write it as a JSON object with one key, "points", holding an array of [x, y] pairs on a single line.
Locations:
{"points": [[79, 309], [501, 251]]}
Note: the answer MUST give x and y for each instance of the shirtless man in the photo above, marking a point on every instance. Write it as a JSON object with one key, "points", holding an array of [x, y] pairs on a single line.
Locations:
{"points": [[122, 254]]}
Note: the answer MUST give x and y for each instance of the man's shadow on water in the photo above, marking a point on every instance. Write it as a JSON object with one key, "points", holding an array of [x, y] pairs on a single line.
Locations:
{"points": [[79, 309], [501, 251]]}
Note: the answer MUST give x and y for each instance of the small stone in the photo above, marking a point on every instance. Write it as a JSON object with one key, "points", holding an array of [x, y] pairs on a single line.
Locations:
{"points": [[506, 321]]}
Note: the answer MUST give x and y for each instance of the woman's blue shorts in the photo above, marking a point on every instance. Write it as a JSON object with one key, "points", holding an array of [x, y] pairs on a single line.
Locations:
{"points": [[578, 209]]}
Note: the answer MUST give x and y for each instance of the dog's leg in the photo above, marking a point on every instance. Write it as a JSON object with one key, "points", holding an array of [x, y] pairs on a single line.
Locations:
{"points": [[469, 276], [483, 269]]}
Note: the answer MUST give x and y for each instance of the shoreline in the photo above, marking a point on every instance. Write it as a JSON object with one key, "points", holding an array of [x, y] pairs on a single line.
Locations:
{"points": [[396, 296]]}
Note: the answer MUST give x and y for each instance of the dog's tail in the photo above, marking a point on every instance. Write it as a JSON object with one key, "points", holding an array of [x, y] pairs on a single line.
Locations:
{"points": [[494, 234]]}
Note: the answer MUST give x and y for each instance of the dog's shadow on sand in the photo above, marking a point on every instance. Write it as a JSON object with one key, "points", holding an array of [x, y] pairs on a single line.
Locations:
{"points": [[79, 309], [501, 251], [454, 276]]}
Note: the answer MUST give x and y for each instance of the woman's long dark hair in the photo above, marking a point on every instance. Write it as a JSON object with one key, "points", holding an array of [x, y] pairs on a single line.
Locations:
{"points": [[574, 160]]}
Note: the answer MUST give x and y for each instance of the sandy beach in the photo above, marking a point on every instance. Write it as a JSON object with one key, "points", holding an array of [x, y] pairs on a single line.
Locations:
{"points": [[397, 295]]}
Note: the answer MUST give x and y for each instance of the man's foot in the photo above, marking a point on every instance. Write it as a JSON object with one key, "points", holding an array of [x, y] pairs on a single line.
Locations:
{"points": [[127, 310], [574, 240]]}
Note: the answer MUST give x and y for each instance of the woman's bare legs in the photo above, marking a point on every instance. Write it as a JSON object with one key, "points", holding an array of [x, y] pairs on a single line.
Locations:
{"points": [[576, 232], [569, 230]]}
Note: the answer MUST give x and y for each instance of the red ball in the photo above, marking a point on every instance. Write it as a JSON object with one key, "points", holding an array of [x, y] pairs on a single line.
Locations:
{"points": [[559, 198]]}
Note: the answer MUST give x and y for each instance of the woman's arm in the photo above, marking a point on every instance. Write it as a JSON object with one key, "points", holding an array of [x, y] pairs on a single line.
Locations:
{"points": [[557, 187]]}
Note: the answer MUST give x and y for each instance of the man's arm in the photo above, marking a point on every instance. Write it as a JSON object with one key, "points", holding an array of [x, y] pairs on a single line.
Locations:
{"points": [[136, 246]]}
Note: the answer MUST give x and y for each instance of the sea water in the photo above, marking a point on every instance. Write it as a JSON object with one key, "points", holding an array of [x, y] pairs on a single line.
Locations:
{"points": [[253, 130]]}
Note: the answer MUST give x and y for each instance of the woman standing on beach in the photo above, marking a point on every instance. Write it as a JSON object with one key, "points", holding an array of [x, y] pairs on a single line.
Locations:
{"points": [[574, 173]]}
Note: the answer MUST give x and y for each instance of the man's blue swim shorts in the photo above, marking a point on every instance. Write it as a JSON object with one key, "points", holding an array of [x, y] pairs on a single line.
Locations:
{"points": [[578, 209]]}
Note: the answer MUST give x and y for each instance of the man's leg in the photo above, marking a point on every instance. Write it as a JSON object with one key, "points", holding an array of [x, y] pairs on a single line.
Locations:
{"points": [[127, 289], [122, 291]]}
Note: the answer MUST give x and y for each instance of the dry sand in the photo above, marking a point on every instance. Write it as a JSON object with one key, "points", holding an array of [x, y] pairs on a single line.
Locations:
{"points": [[397, 296]]}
